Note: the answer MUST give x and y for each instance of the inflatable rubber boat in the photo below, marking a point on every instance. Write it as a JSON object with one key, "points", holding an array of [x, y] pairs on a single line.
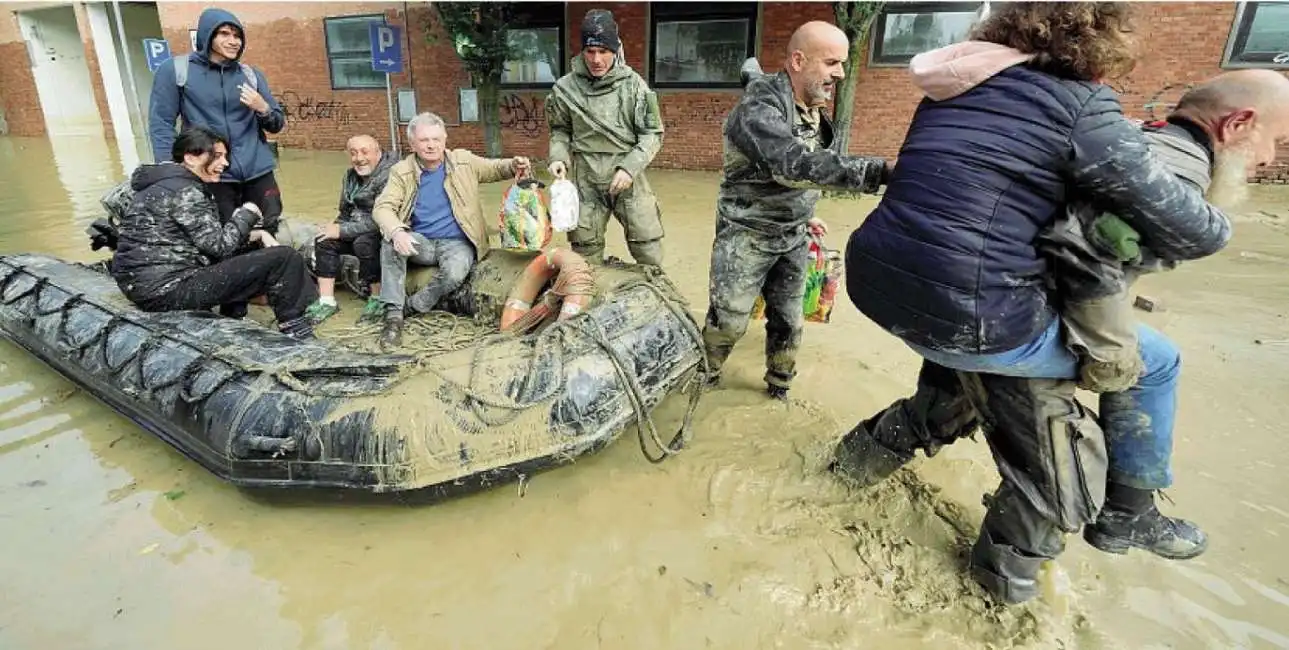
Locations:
{"points": [[262, 410]]}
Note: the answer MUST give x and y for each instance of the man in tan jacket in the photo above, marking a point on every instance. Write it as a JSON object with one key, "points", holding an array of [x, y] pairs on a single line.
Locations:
{"points": [[429, 215]]}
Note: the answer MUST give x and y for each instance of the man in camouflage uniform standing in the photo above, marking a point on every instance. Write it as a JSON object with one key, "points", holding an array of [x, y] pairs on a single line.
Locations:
{"points": [[779, 150], [605, 124]]}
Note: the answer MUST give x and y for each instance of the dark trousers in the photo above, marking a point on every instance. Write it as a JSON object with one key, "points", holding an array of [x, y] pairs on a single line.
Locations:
{"points": [[366, 247], [278, 271], [264, 193]]}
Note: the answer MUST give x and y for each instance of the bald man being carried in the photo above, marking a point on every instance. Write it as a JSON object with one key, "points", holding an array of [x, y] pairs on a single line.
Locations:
{"points": [[780, 151], [354, 232]]}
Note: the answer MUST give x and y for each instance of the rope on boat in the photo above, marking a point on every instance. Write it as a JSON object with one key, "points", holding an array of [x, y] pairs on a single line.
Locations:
{"points": [[549, 342], [573, 279]]}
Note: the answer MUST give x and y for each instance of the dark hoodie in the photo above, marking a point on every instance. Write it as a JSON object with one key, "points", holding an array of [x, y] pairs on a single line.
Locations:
{"points": [[212, 98], [358, 195], [171, 228]]}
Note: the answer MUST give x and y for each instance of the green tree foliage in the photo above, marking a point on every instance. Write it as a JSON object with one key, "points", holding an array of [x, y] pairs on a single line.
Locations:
{"points": [[480, 34]]}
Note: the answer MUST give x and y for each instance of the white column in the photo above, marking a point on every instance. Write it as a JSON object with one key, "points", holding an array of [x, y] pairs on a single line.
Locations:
{"points": [[113, 84]]}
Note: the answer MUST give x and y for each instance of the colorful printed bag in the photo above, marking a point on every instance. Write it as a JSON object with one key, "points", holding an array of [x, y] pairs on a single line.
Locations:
{"points": [[524, 220], [823, 279]]}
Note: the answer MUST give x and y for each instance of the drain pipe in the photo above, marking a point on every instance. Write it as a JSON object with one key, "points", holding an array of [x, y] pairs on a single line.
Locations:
{"points": [[129, 72]]}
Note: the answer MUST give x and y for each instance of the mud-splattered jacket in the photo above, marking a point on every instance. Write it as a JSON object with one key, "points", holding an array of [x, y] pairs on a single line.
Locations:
{"points": [[615, 117], [1086, 262], [171, 229], [772, 170], [358, 197], [948, 260]]}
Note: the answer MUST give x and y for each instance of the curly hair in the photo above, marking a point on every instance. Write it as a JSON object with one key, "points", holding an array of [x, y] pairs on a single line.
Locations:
{"points": [[1089, 41]]}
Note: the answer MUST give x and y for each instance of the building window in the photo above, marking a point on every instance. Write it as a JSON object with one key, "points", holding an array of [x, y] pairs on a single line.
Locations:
{"points": [[905, 29], [1259, 36], [700, 45], [537, 45], [349, 52]]}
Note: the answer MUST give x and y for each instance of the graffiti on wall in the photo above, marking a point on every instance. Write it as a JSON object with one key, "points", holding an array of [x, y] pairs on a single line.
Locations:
{"points": [[525, 115], [305, 108]]}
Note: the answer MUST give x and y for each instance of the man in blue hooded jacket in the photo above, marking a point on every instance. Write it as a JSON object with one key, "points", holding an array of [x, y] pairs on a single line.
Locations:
{"points": [[231, 98]]}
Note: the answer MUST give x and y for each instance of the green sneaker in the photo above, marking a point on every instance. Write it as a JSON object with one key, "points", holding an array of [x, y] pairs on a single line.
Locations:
{"points": [[373, 311], [320, 311]]}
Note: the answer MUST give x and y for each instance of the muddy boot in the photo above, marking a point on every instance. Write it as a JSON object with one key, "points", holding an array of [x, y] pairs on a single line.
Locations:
{"points": [[862, 461], [392, 335], [299, 328], [1015, 540], [1131, 520], [777, 392]]}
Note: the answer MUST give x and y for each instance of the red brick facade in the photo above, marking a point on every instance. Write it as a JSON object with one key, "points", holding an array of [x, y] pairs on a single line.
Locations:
{"points": [[1185, 42]]}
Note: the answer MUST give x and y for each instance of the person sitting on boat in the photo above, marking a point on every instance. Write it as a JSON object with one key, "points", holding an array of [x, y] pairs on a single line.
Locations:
{"points": [[429, 215], [175, 253], [354, 232]]}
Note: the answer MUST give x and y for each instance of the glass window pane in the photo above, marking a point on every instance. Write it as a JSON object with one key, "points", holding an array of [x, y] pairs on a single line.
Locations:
{"points": [[703, 51], [1270, 29], [910, 34], [349, 34], [536, 56], [355, 73]]}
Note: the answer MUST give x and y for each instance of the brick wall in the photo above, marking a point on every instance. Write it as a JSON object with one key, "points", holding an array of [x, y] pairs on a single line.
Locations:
{"points": [[1184, 42], [19, 102]]}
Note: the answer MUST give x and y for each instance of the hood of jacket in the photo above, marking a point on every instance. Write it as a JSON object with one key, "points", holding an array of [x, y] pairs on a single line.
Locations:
{"points": [[209, 22], [146, 176], [950, 71], [592, 86]]}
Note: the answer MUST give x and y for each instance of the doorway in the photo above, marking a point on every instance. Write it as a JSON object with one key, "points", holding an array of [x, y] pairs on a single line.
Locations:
{"points": [[61, 73]]}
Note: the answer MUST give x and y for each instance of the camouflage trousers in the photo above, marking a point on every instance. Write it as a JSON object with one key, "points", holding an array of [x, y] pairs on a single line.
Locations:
{"points": [[746, 264], [636, 209]]}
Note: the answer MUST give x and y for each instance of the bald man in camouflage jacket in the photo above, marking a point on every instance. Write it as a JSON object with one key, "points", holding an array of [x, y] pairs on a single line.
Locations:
{"points": [[780, 150]]}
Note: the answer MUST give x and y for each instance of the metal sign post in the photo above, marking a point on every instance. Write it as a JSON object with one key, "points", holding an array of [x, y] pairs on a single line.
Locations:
{"points": [[387, 57]]}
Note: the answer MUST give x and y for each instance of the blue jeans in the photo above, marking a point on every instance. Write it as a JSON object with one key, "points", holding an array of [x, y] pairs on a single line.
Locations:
{"points": [[1138, 423]]}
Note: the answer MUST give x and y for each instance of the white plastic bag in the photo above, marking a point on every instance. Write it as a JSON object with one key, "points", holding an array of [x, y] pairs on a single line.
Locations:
{"points": [[564, 205]]}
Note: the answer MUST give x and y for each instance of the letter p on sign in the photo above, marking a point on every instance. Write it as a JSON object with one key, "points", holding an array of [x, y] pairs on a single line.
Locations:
{"points": [[156, 50], [386, 55]]}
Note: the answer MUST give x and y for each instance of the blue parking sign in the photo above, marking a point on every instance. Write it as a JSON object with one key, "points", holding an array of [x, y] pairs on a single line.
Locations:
{"points": [[386, 53], [157, 50]]}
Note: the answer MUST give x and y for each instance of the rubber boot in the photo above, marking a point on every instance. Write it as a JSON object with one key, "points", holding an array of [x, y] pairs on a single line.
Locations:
{"points": [[1005, 572], [1015, 540], [1131, 520], [862, 461]]}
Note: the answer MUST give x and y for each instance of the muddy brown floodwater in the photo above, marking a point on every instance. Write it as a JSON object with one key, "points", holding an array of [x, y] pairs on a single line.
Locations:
{"points": [[112, 540]]}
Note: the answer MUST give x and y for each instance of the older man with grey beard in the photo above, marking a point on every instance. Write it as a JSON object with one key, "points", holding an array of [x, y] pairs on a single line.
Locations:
{"points": [[1219, 133]]}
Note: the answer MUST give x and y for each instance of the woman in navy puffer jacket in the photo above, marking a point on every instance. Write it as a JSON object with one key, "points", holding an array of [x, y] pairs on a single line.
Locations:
{"points": [[1014, 126]]}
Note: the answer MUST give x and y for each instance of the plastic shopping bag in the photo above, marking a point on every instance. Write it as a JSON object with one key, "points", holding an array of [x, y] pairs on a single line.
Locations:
{"points": [[823, 279], [564, 205], [524, 220]]}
